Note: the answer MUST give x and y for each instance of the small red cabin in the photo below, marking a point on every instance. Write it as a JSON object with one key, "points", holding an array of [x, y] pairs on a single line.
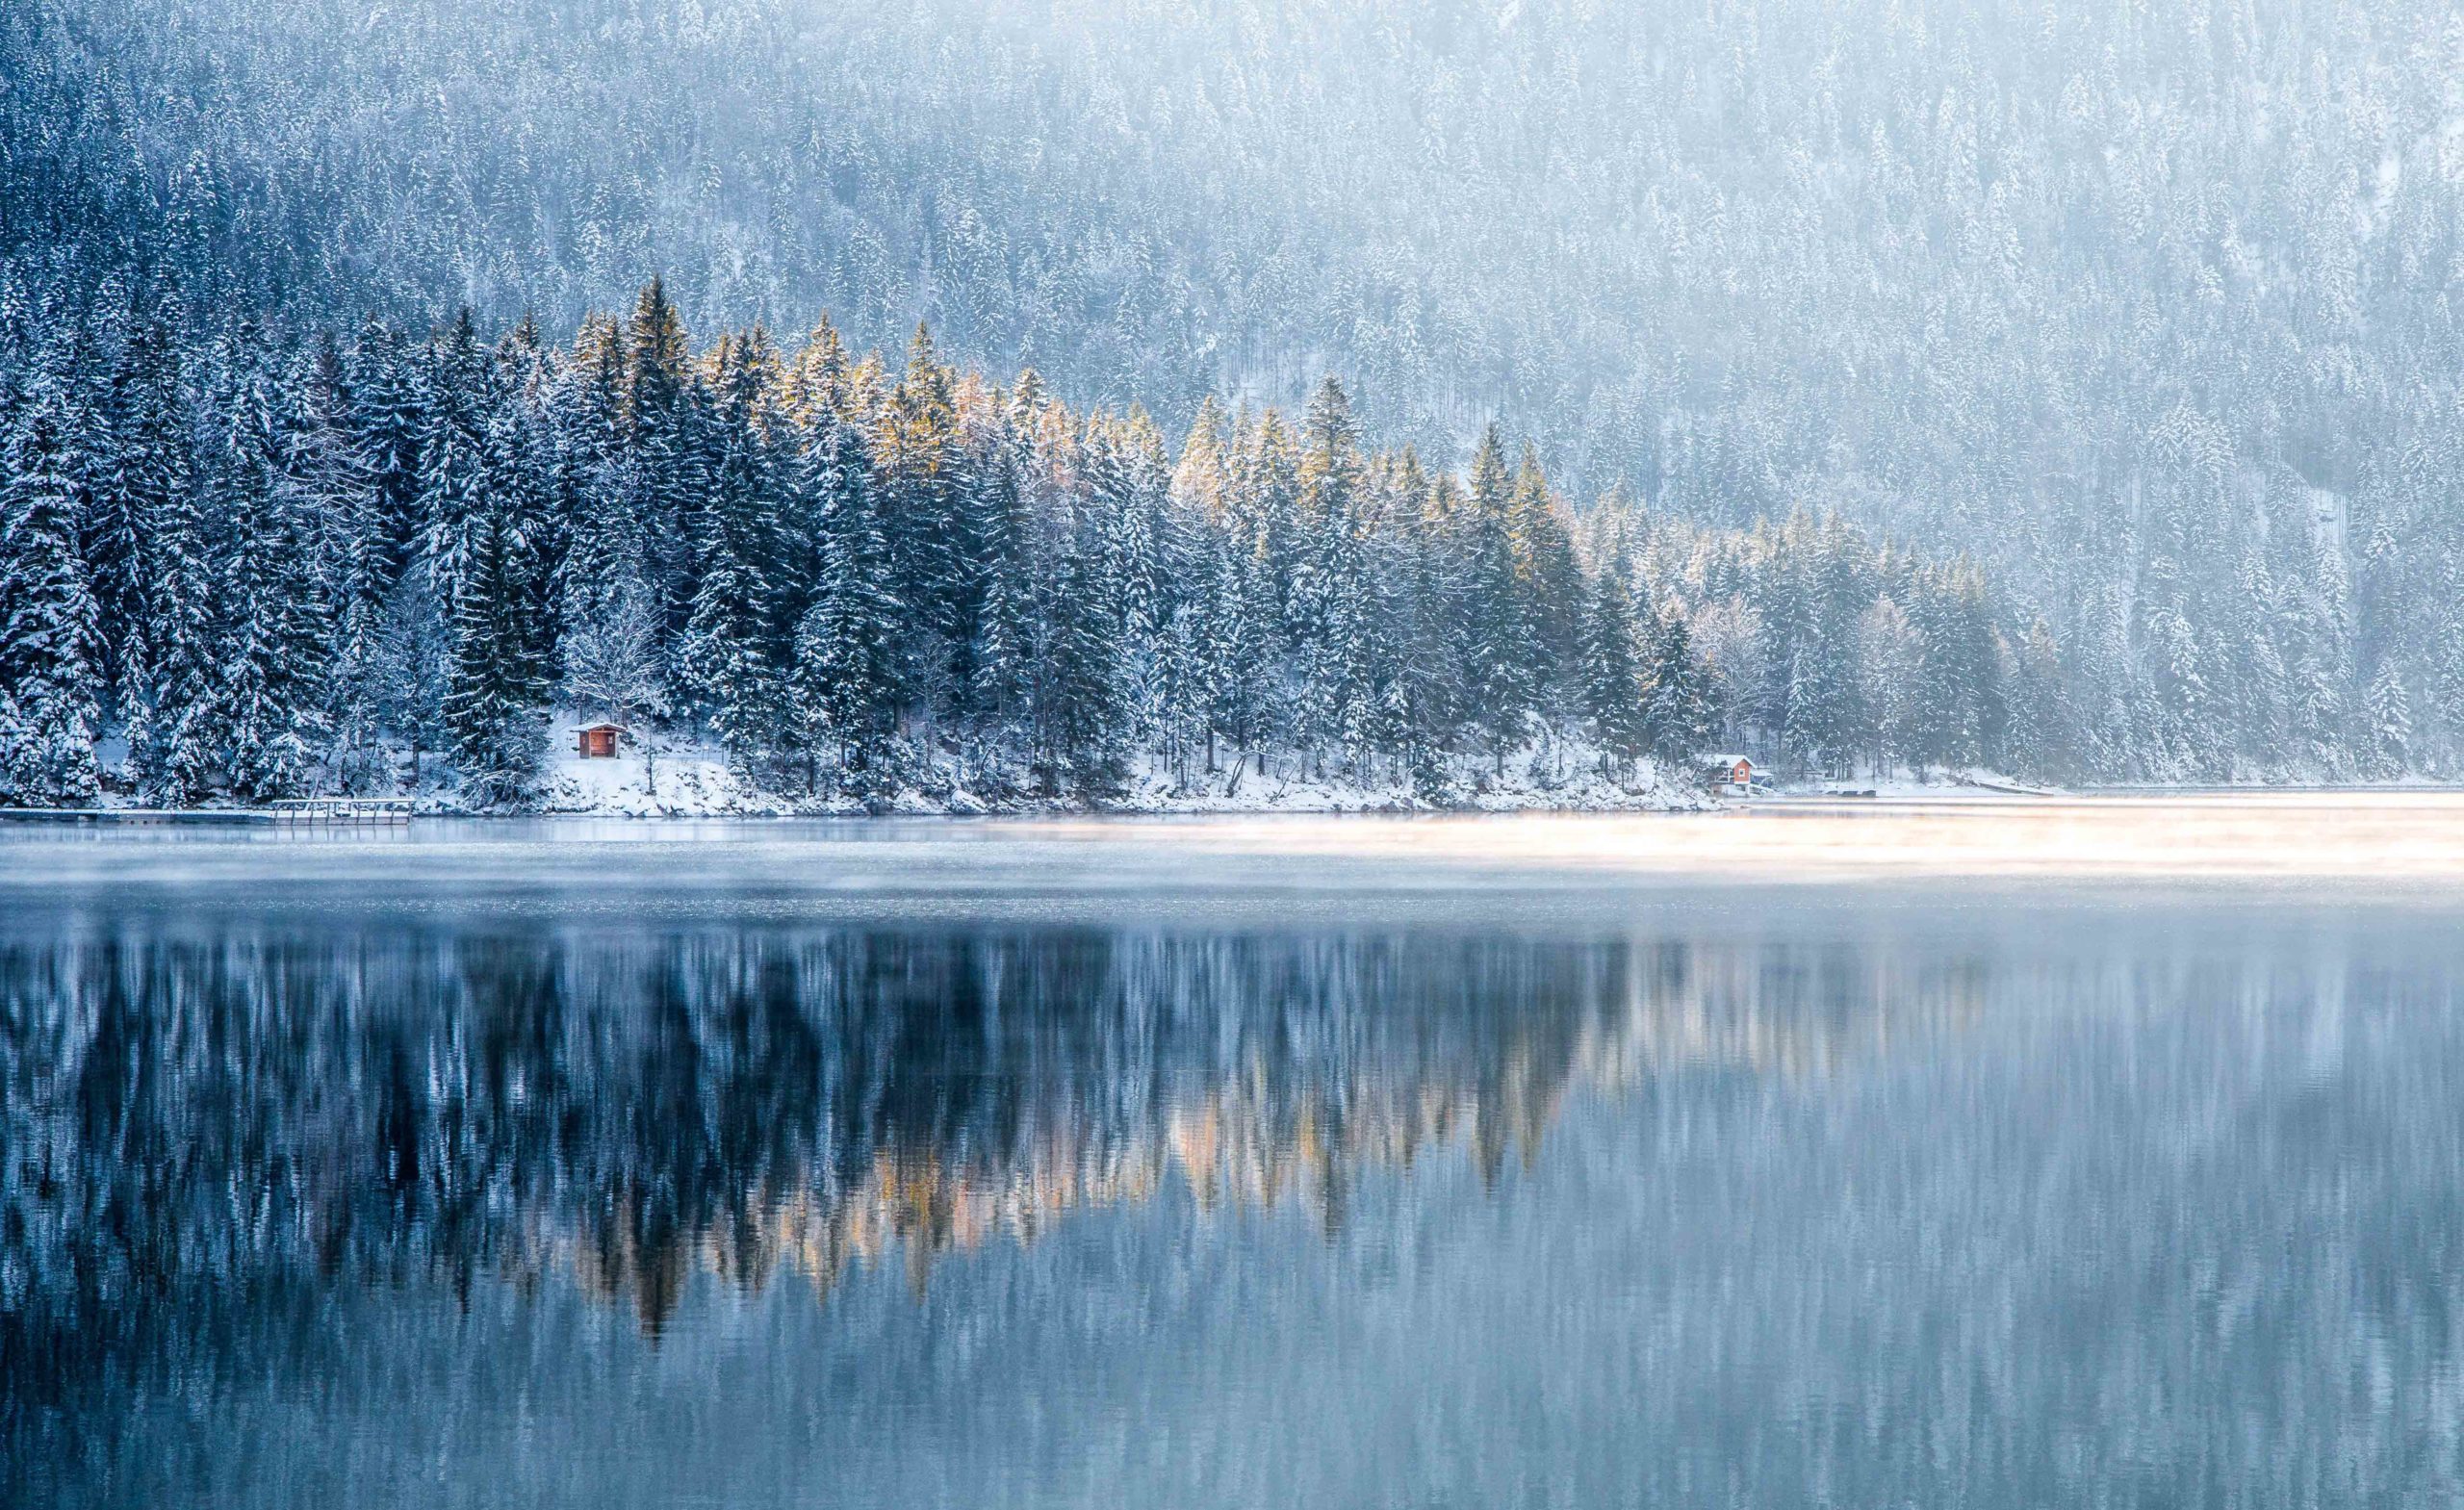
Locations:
{"points": [[1731, 773], [598, 741]]}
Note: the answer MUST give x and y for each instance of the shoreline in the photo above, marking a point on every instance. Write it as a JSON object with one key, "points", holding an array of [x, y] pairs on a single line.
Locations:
{"points": [[1901, 798]]}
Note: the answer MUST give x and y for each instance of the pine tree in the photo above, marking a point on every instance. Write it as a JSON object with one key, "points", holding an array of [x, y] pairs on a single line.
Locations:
{"points": [[1005, 594], [413, 650], [454, 457], [1825, 720], [604, 557], [50, 671], [731, 654], [2043, 725], [2447, 670], [1079, 701], [2112, 700], [1612, 684], [172, 742], [2391, 723], [922, 469], [1547, 579], [1959, 708], [491, 703], [139, 422], [665, 454], [1680, 716], [166, 600], [270, 703], [1890, 663], [844, 683], [388, 395], [1502, 652], [1202, 480], [1323, 606], [334, 496], [481, 501]]}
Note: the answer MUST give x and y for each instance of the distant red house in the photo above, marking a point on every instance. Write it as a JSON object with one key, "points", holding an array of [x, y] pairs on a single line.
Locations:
{"points": [[598, 741], [1728, 773]]}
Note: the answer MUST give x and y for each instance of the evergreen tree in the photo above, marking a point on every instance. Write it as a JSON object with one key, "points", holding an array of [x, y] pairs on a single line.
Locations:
{"points": [[50, 669], [1503, 653], [413, 651], [1890, 659], [605, 556], [2391, 723], [491, 702], [171, 728], [1678, 716], [1235, 648], [339, 510], [387, 387], [665, 455], [1006, 595], [923, 480], [483, 568], [148, 499], [1612, 672], [1547, 578], [270, 703], [1079, 701], [845, 682], [2042, 724], [141, 459], [731, 654]]}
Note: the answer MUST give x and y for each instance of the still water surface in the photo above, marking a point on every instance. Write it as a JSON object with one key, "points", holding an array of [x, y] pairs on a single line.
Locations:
{"points": [[927, 1166]]}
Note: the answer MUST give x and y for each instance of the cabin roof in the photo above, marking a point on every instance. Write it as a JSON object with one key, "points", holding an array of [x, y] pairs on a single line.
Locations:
{"points": [[605, 724]]}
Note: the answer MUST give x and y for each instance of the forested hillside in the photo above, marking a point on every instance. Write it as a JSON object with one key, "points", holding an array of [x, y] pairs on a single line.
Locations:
{"points": [[277, 567], [2148, 311]]}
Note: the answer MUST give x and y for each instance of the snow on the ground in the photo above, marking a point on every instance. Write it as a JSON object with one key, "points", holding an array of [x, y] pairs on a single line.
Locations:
{"points": [[680, 779], [697, 782], [1929, 783], [673, 785]]}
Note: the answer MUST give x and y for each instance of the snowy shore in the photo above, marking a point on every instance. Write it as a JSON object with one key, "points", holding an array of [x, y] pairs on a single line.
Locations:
{"points": [[695, 784], [686, 781]]}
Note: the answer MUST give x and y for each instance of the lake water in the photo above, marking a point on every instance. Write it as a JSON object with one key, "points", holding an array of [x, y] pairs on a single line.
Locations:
{"points": [[2110, 1154]]}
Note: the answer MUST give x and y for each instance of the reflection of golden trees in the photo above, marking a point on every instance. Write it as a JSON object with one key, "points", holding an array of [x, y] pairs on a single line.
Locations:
{"points": [[735, 1104], [1262, 1139]]}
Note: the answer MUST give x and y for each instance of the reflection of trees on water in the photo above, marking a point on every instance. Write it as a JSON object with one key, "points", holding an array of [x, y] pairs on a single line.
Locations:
{"points": [[193, 1129]]}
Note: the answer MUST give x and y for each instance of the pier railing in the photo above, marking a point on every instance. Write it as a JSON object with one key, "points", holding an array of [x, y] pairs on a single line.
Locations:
{"points": [[341, 809]]}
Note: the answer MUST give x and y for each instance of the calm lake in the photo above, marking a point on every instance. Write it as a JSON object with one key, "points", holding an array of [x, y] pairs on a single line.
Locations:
{"points": [[2091, 1153]]}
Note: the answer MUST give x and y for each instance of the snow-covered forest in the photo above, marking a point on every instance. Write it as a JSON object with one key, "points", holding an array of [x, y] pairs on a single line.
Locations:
{"points": [[2068, 389], [277, 569]]}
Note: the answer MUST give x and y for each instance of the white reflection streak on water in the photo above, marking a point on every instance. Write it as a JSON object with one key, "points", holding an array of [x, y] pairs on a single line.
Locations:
{"points": [[2325, 836]]}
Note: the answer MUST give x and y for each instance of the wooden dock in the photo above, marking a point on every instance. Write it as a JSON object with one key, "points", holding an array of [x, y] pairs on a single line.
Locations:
{"points": [[350, 810]]}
